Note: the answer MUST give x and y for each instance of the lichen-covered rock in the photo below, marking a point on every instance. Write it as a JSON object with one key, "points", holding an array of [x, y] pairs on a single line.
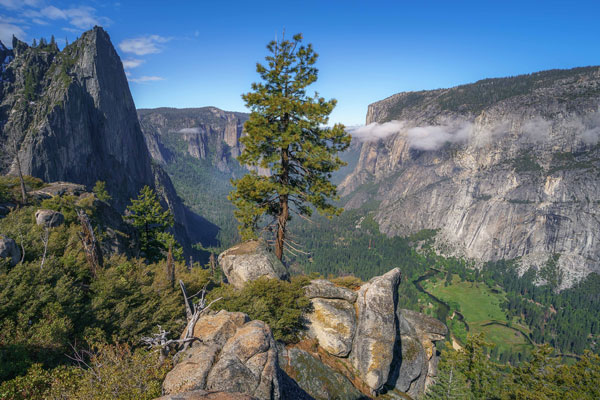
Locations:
{"points": [[217, 328], [333, 323], [375, 338], [49, 218], [427, 327], [327, 290], [9, 250], [249, 261], [233, 355], [317, 379], [206, 395], [412, 366], [192, 368], [248, 363], [418, 330]]}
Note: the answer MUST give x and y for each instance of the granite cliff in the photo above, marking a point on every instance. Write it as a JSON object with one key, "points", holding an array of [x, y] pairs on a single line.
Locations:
{"points": [[73, 116], [206, 134], [504, 169]]}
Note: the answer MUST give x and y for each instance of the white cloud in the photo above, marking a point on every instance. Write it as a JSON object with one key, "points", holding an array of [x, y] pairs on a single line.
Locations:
{"points": [[435, 137], [419, 137], [376, 131], [53, 13], [82, 17], [132, 62], [143, 45], [591, 128], [143, 79], [7, 30], [189, 130], [537, 129], [85, 17], [17, 4]]}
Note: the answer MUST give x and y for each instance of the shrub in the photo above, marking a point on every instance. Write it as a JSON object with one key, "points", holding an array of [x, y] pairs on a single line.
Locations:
{"points": [[280, 304]]}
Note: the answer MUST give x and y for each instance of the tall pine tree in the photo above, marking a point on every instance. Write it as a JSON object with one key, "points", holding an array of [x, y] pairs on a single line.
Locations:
{"points": [[287, 134], [151, 221]]}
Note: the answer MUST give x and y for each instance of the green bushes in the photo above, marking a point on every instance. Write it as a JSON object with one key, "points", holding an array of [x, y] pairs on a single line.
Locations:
{"points": [[43, 311], [112, 372], [10, 190], [278, 303]]}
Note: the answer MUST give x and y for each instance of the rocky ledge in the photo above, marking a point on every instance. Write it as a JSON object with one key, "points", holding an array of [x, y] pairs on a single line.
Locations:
{"points": [[358, 343]]}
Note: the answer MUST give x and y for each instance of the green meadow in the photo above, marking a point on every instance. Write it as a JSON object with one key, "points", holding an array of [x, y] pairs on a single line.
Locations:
{"points": [[481, 307]]}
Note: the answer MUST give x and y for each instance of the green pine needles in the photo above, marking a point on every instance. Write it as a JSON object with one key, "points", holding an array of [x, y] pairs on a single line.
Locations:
{"points": [[287, 135], [151, 221]]}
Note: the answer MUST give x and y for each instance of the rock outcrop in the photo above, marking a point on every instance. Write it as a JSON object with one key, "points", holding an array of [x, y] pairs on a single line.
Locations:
{"points": [[58, 189], [232, 355], [503, 168], [367, 338], [317, 379], [418, 332], [49, 218], [9, 250], [249, 261], [73, 116], [373, 347], [358, 344], [333, 324], [206, 395]]}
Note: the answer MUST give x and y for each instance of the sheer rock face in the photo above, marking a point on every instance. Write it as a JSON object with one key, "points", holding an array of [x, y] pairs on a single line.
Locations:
{"points": [[208, 133], [75, 121], [333, 319], [333, 324], [373, 347], [418, 332], [233, 355], [366, 332], [9, 250], [318, 380], [249, 261], [523, 183]]}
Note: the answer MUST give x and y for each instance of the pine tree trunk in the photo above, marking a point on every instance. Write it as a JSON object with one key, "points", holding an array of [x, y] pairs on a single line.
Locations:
{"points": [[171, 267], [281, 222], [284, 212]]}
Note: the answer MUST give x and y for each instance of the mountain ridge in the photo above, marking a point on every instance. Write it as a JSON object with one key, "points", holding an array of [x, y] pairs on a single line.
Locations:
{"points": [[74, 118], [516, 179]]}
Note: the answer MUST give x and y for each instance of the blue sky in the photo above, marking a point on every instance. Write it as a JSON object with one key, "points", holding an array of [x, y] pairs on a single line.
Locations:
{"points": [[192, 53]]}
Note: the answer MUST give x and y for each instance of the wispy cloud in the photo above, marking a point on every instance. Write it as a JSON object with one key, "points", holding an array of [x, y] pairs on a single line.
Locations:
{"points": [[8, 29], [18, 4], [39, 12], [435, 137], [143, 45], [129, 63], [533, 130], [82, 17], [189, 130], [376, 131], [143, 79]]}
